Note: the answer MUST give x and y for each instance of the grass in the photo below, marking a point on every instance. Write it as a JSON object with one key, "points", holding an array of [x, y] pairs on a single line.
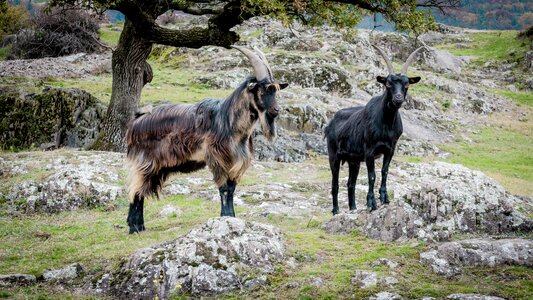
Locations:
{"points": [[503, 150], [109, 35], [519, 97], [492, 45], [91, 237]]}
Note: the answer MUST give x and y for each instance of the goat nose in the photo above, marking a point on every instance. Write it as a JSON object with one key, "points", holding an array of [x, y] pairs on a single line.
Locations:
{"points": [[398, 98]]}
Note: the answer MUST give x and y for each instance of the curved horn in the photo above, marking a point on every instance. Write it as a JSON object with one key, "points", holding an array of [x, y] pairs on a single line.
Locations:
{"points": [[387, 60], [263, 58], [260, 69], [410, 60]]}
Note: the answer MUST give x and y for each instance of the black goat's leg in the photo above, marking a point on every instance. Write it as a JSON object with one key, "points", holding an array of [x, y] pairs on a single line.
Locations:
{"points": [[335, 166], [352, 178], [370, 199], [136, 215], [383, 196], [226, 199]]}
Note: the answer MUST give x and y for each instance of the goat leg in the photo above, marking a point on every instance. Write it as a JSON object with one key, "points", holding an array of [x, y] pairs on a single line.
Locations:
{"points": [[370, 199], [352, 178], [136, 215], [335, 166], [383, 195], [226, 199]]}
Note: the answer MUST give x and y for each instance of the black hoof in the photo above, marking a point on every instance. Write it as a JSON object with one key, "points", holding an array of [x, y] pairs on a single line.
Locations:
{"points": [[137, 228], [353, 210], [335, 211]]}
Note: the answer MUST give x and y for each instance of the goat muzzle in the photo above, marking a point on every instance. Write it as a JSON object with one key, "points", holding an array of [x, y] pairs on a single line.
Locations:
{"points": [[397, 100], [274, 111]]}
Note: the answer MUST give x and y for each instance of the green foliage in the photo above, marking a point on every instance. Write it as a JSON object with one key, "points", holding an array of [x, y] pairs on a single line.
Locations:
{"points": [[12, 19]]}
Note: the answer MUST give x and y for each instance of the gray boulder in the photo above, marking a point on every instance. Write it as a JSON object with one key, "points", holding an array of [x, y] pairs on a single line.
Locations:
{"points": [[385, 296], [448, 258], [213, 258]]}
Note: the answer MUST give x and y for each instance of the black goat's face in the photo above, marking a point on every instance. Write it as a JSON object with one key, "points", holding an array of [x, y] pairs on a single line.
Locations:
{"points": [[268, 107], [397, 86]]}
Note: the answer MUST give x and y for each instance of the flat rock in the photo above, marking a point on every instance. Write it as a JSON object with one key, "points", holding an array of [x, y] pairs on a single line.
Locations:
{"points": [[364, 279], [65, 274], [448, 258], [385, 296], [472, 297], [10, 280]]}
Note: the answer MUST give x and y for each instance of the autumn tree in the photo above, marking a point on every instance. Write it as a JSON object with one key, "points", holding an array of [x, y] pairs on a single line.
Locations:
{"points": [[131, 70]]}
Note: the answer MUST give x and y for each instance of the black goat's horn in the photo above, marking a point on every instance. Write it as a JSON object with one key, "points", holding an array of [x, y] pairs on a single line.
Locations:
{"points": [[387, 60], [410, 60], [261, 69]]}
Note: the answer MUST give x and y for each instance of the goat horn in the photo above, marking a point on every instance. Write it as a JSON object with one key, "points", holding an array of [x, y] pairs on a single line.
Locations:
{"points": [[263, 58], [387, 60], [410, 60], [260, 68]]}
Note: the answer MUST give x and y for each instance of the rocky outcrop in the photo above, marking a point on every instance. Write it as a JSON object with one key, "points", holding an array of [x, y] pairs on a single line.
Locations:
{"points": [[51, 119], [92, 179], [448, 258], [434, 201], [222, 255]]}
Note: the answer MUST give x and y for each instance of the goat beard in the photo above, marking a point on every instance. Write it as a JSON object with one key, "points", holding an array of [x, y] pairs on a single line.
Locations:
{"points": [[268, 126]]}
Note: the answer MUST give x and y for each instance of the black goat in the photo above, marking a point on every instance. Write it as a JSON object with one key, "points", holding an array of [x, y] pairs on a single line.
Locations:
{"points": [[364, 133], [187, 137]]}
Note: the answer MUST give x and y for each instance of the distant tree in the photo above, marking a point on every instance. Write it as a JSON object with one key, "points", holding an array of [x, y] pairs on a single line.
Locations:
{"points": [[12, 18], [131, 70], [526, 20]]}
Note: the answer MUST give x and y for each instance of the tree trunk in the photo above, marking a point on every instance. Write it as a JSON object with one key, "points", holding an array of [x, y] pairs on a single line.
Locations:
{"points": [[130, 73]]}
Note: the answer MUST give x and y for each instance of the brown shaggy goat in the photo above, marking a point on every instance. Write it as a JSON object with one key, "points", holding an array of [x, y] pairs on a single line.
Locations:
{"points": [[187, 137]]}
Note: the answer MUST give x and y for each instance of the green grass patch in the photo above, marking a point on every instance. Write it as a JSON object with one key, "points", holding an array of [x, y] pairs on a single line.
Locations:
{"points": [[502, 153], [524, 98], [4, 52], [109, 34], [34, 243], [491, 45]]}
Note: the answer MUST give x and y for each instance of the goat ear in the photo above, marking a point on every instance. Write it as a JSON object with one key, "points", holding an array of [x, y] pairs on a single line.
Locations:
{"points": [[413, 80], [381, 79], [283, 85], [252, 86]]}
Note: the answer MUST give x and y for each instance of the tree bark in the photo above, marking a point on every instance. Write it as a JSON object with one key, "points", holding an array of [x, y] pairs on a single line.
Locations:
{"points": [[130, 73]]}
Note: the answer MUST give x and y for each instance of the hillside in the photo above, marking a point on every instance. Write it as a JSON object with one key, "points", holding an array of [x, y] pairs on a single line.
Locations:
{"points": [[459, 222]]}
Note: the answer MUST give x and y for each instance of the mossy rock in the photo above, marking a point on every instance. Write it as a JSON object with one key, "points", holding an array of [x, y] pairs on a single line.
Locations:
{"points": [[51, 119]]}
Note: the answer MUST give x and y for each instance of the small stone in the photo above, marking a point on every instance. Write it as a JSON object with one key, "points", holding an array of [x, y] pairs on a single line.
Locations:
{"points": [[256, 283], [385, 296], [384, 262], [10, 280], [389, 281], [472, 297], [65, 274], [169, 211], [364, 279]]}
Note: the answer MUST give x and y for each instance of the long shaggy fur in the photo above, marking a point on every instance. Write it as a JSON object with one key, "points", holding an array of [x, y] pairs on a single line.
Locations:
{"points": [[187, 137]]}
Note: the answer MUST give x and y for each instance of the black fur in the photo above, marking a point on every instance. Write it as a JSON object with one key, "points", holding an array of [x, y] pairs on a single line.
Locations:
{"points": [[364, 133]]}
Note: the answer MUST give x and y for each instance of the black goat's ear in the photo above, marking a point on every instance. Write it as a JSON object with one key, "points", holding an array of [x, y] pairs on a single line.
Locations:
{"points": [[252, 86], [381, 79], [413, 80], [283, 85]]}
